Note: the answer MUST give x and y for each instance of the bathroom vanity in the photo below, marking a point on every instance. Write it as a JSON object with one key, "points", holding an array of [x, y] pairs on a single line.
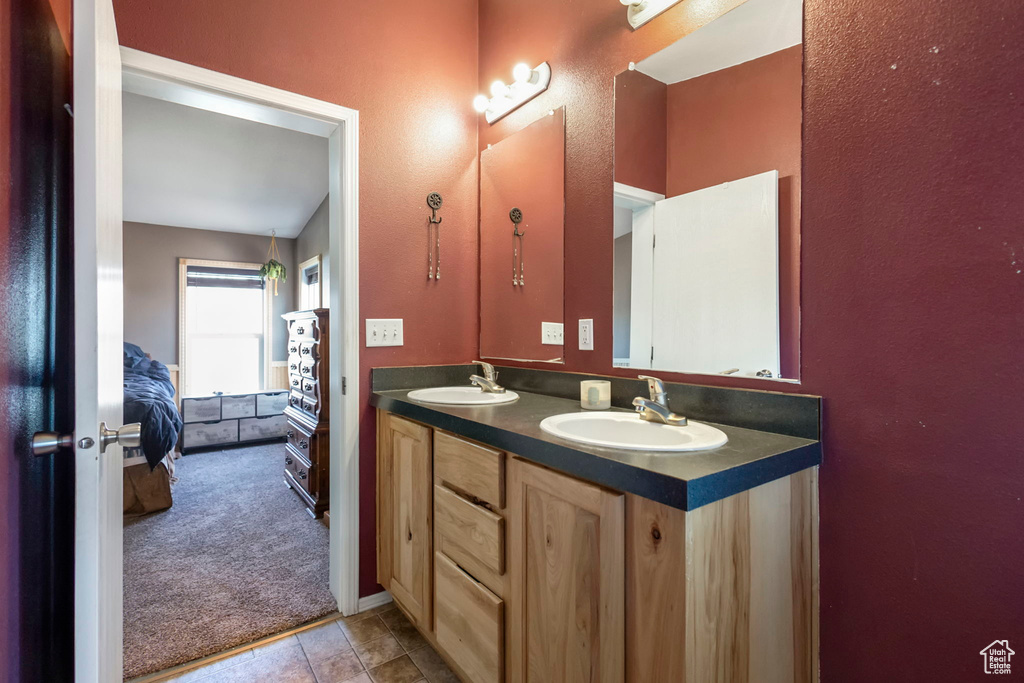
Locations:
{"points": [[521, 556]]}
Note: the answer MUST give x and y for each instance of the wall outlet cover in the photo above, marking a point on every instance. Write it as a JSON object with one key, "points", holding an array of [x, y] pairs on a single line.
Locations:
{"points": [[586, 334], [551, 333], [384, 332]]}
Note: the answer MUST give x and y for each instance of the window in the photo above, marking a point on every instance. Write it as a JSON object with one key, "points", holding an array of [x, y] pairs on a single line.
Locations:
{"points": [[310, 286], [225, 333]]}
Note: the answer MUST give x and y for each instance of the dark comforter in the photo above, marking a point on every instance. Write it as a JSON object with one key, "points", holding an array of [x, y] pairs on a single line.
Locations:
{"points": [[149, 400]]}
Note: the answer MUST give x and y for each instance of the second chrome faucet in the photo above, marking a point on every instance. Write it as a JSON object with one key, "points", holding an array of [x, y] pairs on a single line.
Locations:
{"points": [[655, 409]]}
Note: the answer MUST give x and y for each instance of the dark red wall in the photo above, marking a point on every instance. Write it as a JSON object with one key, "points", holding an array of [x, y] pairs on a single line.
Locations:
{"points": [[912, 303], [735, 123], [526, 171], [410, 69], [641, 108]]}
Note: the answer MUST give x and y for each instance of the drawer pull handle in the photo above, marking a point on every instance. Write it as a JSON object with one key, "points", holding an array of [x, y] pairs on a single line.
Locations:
{"points": [[293, 366], [303, 445], [291, 434], [300, 330], [305, 350], [309, 386], [295, 382], [293, 349], [302, 474], [288, 461]]}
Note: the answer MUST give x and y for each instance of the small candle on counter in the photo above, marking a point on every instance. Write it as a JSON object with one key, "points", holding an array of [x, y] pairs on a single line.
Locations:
{"points": [[595, 394]]}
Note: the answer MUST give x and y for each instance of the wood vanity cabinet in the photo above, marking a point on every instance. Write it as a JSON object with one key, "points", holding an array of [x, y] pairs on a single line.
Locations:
{"points": [[566, 604], [516, 573], [404, 511]]}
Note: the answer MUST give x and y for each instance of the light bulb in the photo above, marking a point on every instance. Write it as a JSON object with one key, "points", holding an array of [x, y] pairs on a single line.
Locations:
{"points": [[522, 72], [499, 89], [481, 103]]}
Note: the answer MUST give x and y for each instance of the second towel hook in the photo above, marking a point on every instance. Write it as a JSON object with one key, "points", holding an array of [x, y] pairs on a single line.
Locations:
{"points": [[516, 215]]}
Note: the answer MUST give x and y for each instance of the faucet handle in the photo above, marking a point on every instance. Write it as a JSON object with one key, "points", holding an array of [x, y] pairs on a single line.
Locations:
{"points": [[488, 370], [656, 387]]}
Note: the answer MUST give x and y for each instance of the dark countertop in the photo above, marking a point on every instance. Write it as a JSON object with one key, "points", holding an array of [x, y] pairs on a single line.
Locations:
{"points": [[681, 480]]}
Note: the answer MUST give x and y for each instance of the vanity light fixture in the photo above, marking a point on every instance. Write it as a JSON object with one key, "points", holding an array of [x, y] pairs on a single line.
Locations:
{"points": [[639, 12], [527, 83]]}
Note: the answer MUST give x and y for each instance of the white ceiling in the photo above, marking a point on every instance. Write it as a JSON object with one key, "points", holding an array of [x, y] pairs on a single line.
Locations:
{"points": [[754, 29], [194, 168]]}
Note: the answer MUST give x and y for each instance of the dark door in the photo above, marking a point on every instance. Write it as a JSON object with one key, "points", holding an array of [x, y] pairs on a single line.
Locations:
{"points": [[36, 336]]}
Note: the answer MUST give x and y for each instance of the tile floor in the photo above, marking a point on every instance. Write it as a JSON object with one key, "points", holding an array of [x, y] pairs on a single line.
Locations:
{"points": [[378, 646]]}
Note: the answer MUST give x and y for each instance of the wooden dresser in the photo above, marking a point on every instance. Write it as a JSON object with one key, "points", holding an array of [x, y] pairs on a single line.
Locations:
{"points": [[307, 452]]}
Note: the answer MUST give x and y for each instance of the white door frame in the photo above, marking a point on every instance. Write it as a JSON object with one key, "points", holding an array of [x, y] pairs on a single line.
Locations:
{"points": [[166, 79]]}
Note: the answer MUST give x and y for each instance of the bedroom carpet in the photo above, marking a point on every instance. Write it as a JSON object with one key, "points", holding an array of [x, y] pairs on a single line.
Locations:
{"points": [[235, 559]]}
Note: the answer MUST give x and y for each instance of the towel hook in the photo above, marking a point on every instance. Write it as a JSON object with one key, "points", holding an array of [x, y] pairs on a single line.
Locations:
{"points": [[434, 202]]}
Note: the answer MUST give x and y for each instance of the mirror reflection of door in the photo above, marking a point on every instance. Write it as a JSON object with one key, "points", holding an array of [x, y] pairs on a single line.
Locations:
{"points": [[707, 199], [521, 265]]}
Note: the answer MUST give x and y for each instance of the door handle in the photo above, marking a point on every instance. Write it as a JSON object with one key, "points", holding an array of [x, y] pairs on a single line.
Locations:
{"points": [[128, 436], [45, 443]]}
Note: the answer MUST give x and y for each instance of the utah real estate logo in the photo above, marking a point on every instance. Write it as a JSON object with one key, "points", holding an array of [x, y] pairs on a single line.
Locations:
{"points": [[997, 657]]}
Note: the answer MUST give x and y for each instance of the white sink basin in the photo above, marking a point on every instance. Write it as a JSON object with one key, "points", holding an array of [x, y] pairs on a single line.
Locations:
{"points": [[627, 430], [462, 396]]}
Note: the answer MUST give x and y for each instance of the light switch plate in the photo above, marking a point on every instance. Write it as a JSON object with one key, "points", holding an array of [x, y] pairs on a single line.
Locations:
{"points": [[586, 334], [551, 333], [384, 332]]}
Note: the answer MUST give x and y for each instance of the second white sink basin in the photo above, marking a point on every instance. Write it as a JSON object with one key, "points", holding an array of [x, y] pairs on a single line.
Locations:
{"points": [[461, 396], [628, 431]]}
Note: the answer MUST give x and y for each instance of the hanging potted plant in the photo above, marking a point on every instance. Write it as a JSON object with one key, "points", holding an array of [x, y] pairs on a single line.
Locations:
{"points": [[273, 269]]}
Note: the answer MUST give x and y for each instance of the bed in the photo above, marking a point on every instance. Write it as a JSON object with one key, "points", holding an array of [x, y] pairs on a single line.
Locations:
{"points": [[149, 400]]}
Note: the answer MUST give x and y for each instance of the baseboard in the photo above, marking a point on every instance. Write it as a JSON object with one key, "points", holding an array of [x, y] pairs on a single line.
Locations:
{"points": [[371, 601]]}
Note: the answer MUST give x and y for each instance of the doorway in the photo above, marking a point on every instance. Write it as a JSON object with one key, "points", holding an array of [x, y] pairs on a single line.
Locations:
{"points": [[98, 603]]}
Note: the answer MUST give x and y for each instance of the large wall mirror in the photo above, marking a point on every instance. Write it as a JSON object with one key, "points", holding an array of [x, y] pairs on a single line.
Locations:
{"points": [[522, 207], [707, 199]]}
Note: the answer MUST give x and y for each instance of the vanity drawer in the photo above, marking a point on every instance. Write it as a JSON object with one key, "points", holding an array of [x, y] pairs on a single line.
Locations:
{"points": [[470, 623], [470, 468], [469, 534]]}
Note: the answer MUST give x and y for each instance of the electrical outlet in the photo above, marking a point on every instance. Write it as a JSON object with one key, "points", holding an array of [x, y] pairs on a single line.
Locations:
{"points": [[384, 332], [551, 333], [586, 334]]}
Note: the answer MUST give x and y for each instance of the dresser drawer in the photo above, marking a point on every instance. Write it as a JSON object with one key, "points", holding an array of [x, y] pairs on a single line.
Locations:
{"points": [[203, 434], [303, 329], [200, 409], [234, 407], [467, 533], [470, 623], [258, 428], [271, 404], [297, 467], [308, 352], [470, 468], [302, 443]]}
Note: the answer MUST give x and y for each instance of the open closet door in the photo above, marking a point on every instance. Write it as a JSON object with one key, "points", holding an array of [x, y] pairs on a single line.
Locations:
{"points": [[715, 303], [98, 331]]}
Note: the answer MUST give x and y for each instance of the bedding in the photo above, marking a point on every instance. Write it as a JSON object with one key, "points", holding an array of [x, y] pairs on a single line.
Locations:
{"points": [[149, 400]]}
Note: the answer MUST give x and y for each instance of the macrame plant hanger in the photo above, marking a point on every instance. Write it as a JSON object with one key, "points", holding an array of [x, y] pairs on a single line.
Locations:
{"points": [[273, 269]]}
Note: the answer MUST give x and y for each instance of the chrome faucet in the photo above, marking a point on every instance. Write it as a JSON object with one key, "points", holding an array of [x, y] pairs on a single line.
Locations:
{"points": [[655, 409], [488, 382]]}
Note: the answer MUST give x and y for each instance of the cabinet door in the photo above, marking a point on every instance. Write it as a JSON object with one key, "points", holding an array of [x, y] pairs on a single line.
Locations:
{"points": [[404, 487], [566, 558]]}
